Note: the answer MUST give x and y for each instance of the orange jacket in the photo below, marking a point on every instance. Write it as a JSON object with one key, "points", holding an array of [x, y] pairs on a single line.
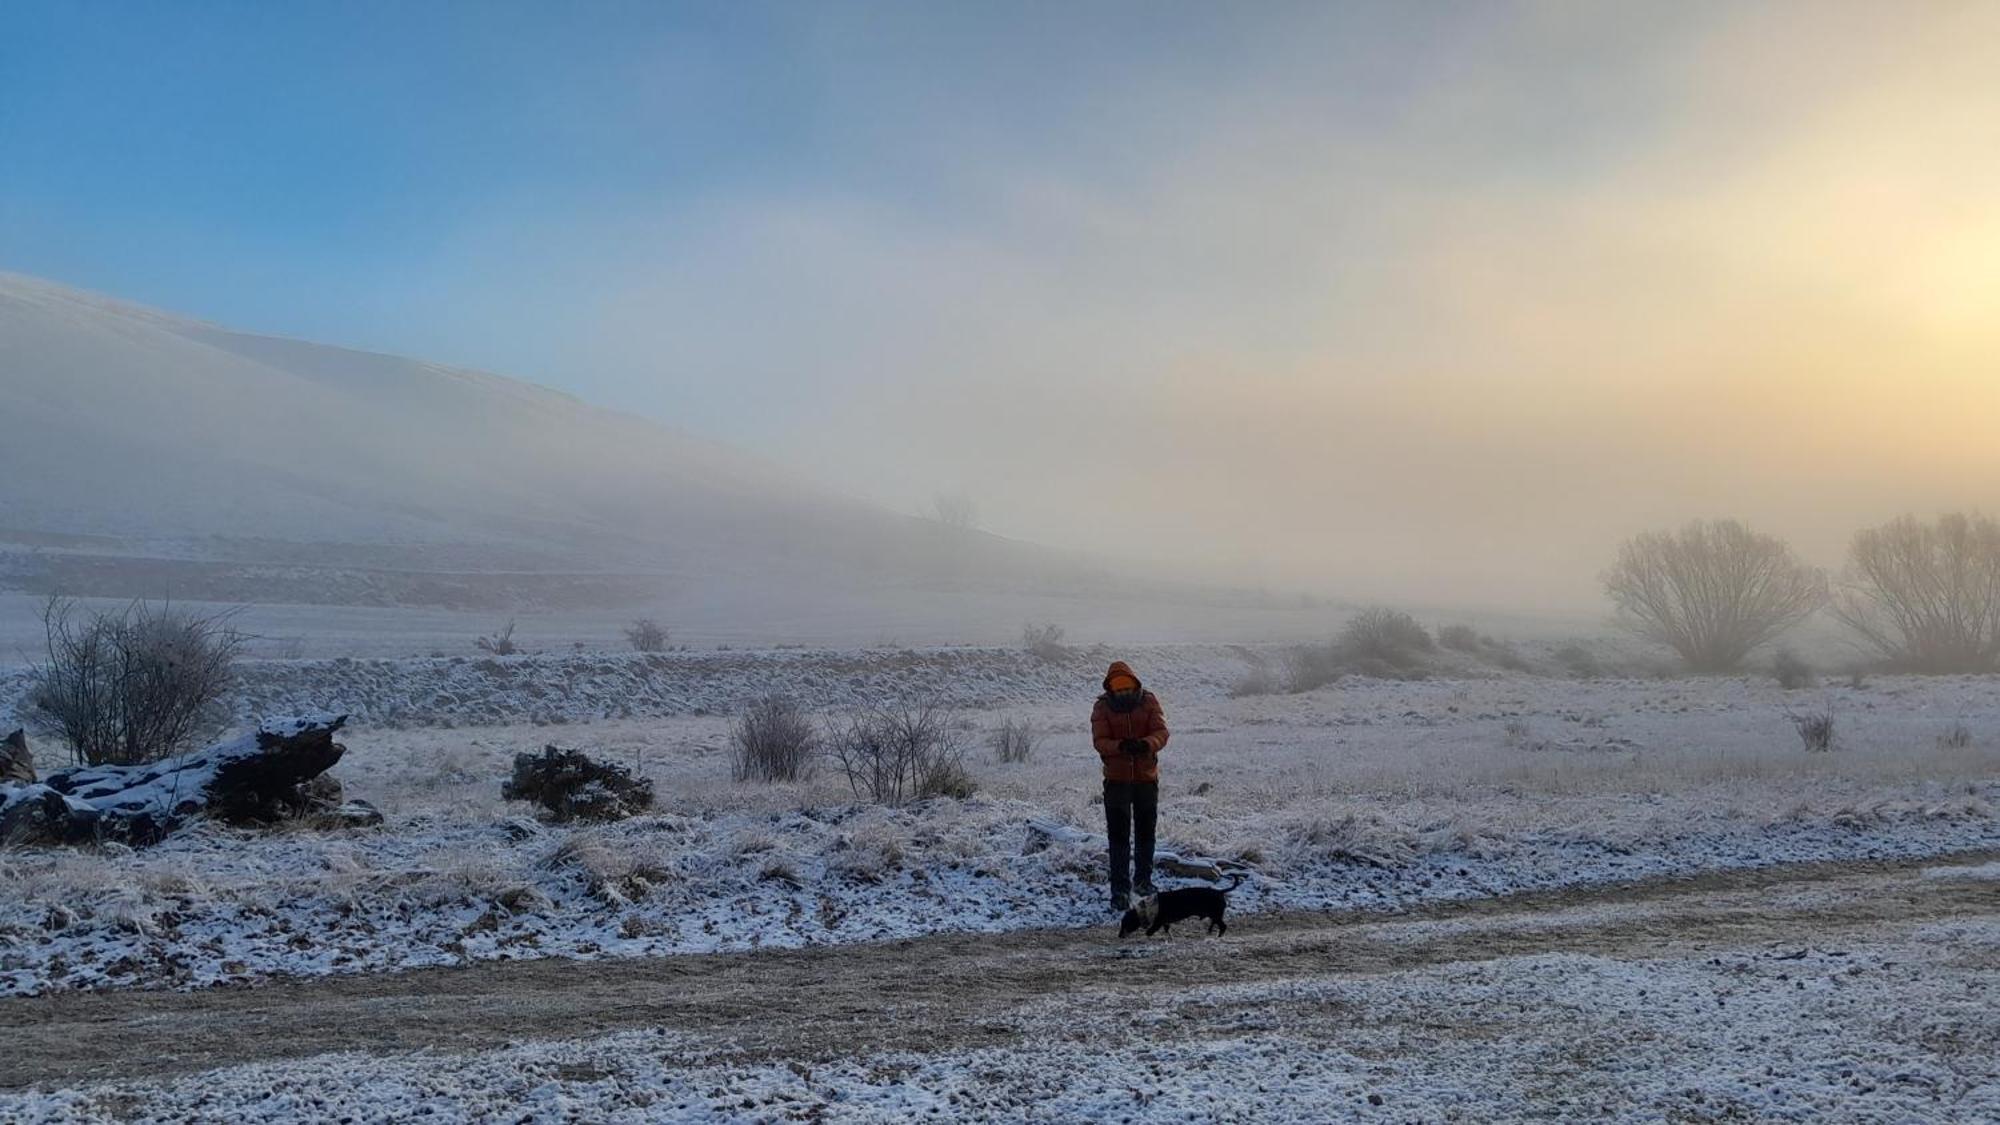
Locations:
{"points": [[1109, 728]]}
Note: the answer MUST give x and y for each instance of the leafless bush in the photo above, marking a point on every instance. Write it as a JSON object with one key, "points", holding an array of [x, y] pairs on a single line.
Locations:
{"points": [[1045, 641], [1957, 738], [1388, 635], [892, 757], [1382, 644], [955, 510], [1503, 654], [1461, 638], [773, 740], [1261, 679], [133, 686], [1309, 667], [1713, 591], [646, 635], [1579, 661], [1016, 740], [1815, 729], [1792, 670], [500, 643], [1927, 595]]}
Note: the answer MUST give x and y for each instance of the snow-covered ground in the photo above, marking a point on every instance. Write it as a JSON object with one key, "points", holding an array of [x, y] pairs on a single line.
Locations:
{"points": [[1853, 999], [1365, 794]]}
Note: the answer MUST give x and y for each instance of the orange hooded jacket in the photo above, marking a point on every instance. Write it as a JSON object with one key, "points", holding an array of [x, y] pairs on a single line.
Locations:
{"points": [[1109, 728]]}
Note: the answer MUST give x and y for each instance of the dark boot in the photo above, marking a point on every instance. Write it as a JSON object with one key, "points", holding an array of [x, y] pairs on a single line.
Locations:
{"points": [[1118, 835], [1145, 817]]}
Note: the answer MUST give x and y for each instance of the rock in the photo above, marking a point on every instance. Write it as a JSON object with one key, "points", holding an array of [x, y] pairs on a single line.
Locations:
{"points": [[269, 775], [354, 814], [1042, 834], [17, 765], [1174, 865], [570, 786]]}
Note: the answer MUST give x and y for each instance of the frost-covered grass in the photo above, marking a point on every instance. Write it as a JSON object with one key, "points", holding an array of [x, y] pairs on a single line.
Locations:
{"points": [[1895, 1024], [1364, 794]]}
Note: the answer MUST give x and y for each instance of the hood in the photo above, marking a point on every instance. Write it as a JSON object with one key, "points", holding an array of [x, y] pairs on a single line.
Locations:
{"points": [[1120, 668]]}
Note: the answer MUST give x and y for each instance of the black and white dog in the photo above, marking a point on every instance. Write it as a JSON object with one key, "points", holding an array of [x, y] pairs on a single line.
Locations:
{"points": [[1159, 912]]}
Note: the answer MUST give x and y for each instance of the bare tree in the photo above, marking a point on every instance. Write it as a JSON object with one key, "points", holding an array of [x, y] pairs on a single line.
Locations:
{"points": [[647, 635], [955, 510], [1713, 591], [1927, 595], [133, 686]]}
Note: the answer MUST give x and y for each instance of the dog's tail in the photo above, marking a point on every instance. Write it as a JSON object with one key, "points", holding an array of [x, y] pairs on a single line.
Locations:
{"points": [[1234, 880]]}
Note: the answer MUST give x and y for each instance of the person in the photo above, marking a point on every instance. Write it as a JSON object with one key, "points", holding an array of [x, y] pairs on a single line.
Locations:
{"points": [[1129, 730]]}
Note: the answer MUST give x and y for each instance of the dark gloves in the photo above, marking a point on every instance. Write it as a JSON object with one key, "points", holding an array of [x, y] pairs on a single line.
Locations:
{"points": [[1134, 746]]}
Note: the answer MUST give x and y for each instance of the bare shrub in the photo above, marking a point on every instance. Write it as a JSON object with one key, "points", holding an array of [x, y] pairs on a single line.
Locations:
{"points": [[1384, 644], [1957, 738], [1016, 740], [1712, 591], [1815, 729], [570, 785], [133, 686], [893, 757], [646, 635], [1261, 679], [1927, 595], [1459, 638], [1792, 671], [500, 643], [773, 740], [1579, 661], [955, 510], [1309, 667], [1045, 641], [1504, 655], [1387, 635]]}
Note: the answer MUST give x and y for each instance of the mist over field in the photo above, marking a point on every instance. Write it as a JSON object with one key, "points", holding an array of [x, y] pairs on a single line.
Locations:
{"points": [[1369, 303]]}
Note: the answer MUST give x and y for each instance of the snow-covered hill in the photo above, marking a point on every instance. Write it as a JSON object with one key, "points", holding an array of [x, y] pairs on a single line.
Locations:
{"points": [[136, 443]]}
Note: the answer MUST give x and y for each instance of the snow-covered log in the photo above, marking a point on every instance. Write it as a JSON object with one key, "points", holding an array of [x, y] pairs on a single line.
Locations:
{"points": [[273, 773]]}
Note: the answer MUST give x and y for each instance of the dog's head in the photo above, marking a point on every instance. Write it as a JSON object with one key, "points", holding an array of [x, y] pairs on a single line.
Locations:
{"points": [[1139, 917]]}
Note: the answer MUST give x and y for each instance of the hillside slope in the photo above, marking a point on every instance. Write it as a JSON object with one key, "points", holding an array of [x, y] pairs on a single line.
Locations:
{"points": [[145, 450]]}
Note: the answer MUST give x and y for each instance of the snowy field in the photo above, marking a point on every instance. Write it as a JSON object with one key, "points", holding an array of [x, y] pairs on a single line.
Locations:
{"points": [[1366, 794]]}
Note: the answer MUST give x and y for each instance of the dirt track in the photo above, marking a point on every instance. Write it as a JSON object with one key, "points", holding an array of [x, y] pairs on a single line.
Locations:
{"points": [[939, 992]]}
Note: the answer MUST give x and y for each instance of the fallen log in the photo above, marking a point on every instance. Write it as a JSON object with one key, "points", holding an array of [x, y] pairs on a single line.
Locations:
{"points": [[271, 774]]}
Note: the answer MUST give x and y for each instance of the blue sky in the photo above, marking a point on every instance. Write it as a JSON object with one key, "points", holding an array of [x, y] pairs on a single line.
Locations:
{"points": [[1228, 259], [412, 176]]}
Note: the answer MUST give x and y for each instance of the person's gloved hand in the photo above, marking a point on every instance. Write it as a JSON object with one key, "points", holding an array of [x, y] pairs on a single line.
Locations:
{"points": [[1134, 746]]}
